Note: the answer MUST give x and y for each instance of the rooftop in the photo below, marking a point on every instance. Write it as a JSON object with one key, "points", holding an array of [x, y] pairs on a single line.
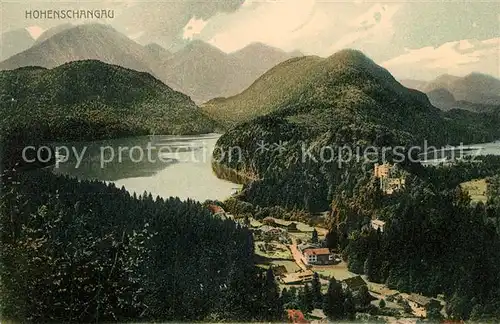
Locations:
{"points": [[296, 316], [267, 228], [419, 299], [215, 209], [354, 282], [305, 246], [320, 251], [297, 277]]}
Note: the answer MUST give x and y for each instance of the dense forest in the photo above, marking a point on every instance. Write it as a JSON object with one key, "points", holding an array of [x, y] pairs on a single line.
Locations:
{"points": [[79, 251], [92, 100], [434, 242]]}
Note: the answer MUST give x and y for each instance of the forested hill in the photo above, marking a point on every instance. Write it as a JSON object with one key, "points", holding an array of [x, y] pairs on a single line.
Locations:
{"points": [[345, 80], [87, 252], [344, 89], [311, 102], [91, 99]]}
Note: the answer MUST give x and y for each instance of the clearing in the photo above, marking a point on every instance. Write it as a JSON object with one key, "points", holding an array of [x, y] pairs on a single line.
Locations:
{"points": [[476, 189]]}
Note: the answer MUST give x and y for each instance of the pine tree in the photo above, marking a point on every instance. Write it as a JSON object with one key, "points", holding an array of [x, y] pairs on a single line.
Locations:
{"points": [[369, 268], [314, 237], [332, 239], [306, 299], [273, 307], [333, 303], [286, 296], [246, 220], [316, 291], [349, 307], [363, 296]]}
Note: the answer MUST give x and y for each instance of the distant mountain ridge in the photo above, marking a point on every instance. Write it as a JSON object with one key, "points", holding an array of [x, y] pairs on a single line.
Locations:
{"points": [[199, 70], [52, 31], [472, 91], [205, 72]]}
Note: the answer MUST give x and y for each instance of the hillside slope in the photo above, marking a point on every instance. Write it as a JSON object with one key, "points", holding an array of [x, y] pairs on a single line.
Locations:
{"points": [[199, 70], [442, 98], [94, 99], [52, 31]]}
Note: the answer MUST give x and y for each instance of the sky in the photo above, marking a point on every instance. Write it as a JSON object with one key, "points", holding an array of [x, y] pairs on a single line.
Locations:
{"points": [[412, 39]]}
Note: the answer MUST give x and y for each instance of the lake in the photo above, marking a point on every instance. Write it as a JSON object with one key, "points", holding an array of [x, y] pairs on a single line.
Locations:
{"points": [[173, 166], [168, 166], [450, 153]]}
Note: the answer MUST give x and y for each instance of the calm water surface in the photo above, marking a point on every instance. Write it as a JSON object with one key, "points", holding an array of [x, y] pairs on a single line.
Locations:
{"points": [[176, 166]]}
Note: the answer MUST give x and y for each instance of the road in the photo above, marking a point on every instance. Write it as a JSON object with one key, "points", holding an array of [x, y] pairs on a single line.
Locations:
{"points": [[296, 254]]}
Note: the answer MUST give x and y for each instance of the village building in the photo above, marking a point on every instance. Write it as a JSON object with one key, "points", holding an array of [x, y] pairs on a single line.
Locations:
{"points": [[318, 314], [216, 210], [286, 225], [353, 283], [314, 254], [296, 316], [422, 303], [321, 256], [269, 230], [377, 224], [417, 300], [390, 177], [269, 221], [297, 278], [382, 170]]}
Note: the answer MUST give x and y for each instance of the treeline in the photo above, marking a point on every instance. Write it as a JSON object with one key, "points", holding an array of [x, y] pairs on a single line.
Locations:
{"points": [[80, 251], [472, 167], [493, 189]]}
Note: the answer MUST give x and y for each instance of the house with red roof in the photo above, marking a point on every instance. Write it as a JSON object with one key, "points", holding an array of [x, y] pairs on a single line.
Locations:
{"points": [[313, 255], [216, 210], [296, 316]]}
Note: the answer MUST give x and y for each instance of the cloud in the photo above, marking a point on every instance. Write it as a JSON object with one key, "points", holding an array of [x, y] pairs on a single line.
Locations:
{"points": [[267, 22], [369, 31], [193, 27], [161, 22], [457, 58], [35, 31], [311, 26]]}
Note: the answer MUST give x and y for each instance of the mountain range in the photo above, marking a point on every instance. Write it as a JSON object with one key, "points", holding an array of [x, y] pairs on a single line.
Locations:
{"points": [[475, 91], [199, 70]]}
